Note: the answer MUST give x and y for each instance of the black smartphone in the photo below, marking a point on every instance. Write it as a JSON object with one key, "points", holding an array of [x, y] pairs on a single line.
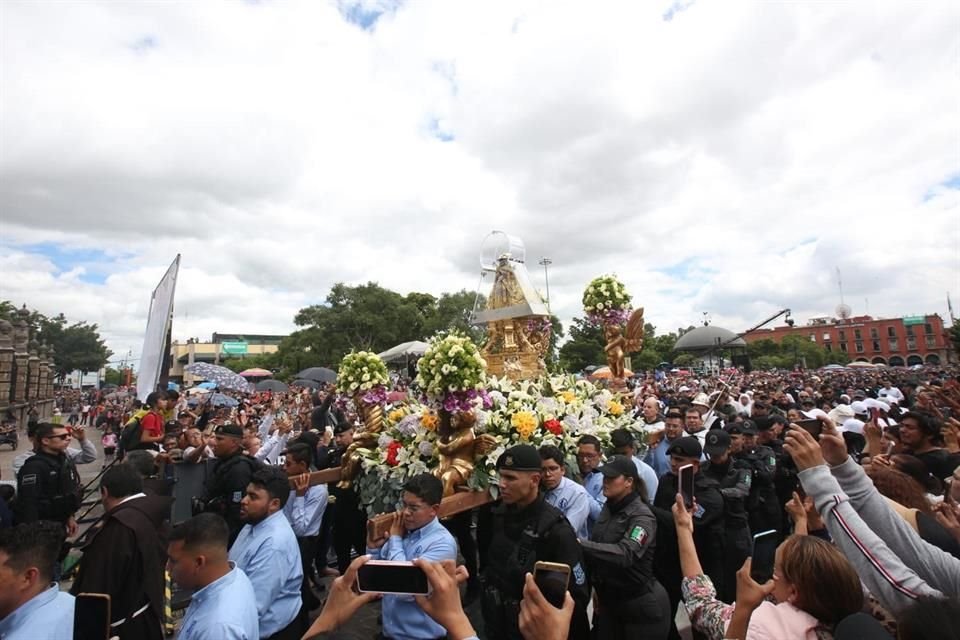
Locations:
{"points": [[813, 426], [384, 576], [552, 579], [763, 555], [686, 485], [91, 617]]}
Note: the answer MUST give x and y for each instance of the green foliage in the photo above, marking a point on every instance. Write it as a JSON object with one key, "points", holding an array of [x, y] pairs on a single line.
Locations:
{"points": [[584, 348], [792, 350], [112, 376], [77, 346], [954, 333]]}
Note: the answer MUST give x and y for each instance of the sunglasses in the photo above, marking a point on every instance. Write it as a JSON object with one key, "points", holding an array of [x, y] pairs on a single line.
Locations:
{"points": [[62, 436]]}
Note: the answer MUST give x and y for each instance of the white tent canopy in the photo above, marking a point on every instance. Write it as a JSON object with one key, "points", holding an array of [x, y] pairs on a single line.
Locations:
{"points": [[404, 351]]}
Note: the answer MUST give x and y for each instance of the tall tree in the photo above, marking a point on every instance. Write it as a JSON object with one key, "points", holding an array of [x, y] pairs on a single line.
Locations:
{"points": [[584, 348]]}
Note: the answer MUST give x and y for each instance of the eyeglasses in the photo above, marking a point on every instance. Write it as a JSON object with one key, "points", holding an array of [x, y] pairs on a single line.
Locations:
{"points": [[411, 508], [62, 436]]}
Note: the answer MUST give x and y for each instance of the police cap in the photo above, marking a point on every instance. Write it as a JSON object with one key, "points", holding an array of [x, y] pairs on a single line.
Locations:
{"points": [[619, 466], [522, 457], [688, 447], [717, 442], [229, 430]]}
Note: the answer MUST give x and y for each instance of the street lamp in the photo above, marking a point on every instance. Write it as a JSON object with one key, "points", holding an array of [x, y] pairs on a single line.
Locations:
{"points": [[546, 262]]}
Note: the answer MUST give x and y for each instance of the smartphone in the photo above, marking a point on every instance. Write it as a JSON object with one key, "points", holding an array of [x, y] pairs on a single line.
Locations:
{"points": [[763, 555], [686, 485], [890, 446], [91, 617], [400, 578], [812, 426], [552, 579]]}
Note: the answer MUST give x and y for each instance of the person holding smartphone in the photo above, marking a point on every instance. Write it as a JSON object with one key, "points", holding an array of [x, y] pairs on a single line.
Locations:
{"points": [[631, 603]]}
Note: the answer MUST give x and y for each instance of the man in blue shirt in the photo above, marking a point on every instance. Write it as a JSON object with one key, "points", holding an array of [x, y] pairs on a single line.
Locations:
{"points": [[415, 533], [267, 551], [32, 607], [563, 493], [588, 460], [624, 445], [223, 606], [657, 457], [304, 511]]}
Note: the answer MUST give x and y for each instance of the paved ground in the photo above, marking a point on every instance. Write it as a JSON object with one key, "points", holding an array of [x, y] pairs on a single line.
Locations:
{"points": [[364, 626]]}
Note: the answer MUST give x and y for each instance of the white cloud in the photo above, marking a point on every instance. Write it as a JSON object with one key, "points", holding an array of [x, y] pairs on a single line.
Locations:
{"points": [[724, 160]]}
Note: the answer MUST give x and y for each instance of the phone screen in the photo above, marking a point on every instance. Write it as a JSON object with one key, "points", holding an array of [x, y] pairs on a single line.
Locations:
{"points": [[686, 485], [813, 426], [91, 617], [552, 580], [763, 555], [381, 576]]}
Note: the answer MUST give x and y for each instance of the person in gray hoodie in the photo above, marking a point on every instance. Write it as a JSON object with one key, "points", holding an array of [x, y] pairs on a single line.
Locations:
{"points": [[894, 563]]}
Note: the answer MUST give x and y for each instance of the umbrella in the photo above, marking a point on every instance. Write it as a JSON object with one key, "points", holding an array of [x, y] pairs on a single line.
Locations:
{"points": [[223, 377], [220, 400], [198, 390], [311, 384], [403, 351], [320, 374], [861, 365], [271, 385], [172, 386], [256, 373], [109, 385], [604, 372], [207, 386]]}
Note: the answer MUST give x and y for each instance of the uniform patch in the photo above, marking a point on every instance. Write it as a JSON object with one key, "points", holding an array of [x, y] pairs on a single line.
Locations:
{"points": [[748, 479], [699, 511], [237, 496], [773, 461], [30, 479], [578, 575], [638, 534]]}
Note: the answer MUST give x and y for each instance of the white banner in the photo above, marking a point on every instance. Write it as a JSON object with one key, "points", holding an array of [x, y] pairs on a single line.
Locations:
{"points": [[152, 356]]}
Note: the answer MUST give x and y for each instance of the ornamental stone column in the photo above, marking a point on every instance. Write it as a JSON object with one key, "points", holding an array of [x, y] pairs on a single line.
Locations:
{"points": [[33, 377], [6, 364], [21, 362], [43, 404], [51, 358]]}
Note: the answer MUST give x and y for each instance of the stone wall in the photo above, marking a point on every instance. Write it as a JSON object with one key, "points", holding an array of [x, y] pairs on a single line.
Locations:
{"points": [[26, 372]]}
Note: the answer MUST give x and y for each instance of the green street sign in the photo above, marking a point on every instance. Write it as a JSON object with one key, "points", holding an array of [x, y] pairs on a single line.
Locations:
{"points": [[234, 348], [909, 320]]}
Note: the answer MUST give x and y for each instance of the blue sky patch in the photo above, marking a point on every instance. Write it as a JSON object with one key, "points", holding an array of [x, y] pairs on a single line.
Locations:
{"points": [[433, 127], [96, 264], [952, 183], [676, 7], [144, 44], [365, 14]]}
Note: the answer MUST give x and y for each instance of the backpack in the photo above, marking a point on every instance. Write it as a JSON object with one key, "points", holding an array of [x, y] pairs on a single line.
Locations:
{"points": [[129, 437]]}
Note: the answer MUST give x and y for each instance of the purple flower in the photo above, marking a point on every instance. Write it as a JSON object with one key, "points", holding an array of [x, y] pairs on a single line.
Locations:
{"points": [[376, 395]]}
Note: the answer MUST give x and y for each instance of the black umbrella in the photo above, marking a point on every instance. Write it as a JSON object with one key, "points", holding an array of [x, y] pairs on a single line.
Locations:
{"points": [[271, 385], [109, 385], [312, 384], [320, 374]]}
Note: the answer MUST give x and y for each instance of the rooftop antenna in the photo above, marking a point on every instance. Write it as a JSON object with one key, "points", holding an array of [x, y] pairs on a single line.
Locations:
{"points": [[843, 309]]}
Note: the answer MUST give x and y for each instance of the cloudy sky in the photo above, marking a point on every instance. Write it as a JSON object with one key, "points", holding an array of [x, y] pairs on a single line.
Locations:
{"points": [[725, 157]]}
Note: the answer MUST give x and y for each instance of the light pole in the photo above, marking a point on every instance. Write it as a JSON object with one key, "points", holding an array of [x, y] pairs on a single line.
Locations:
{"points": [[546, 262]]}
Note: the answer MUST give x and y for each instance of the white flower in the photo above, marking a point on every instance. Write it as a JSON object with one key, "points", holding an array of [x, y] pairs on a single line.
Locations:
{"points": [[366, 376]]}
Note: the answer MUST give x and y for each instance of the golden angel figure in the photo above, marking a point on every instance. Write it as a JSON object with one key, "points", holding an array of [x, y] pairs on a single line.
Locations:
{"points": [[459, 448], [620, 344]]}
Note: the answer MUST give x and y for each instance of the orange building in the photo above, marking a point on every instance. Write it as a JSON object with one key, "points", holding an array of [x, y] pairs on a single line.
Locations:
{"points": [[896, 342]]}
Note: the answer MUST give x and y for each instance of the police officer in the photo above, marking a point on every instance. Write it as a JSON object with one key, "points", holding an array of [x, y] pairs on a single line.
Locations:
{"points": [[707, 522], [349, 520], [524, 530], [762, 507], [735, 479], [48, 485], [631, 603], [226, 486]]}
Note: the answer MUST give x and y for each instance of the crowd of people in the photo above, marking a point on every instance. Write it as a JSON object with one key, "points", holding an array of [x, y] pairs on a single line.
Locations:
{"points": [[853, 475]]}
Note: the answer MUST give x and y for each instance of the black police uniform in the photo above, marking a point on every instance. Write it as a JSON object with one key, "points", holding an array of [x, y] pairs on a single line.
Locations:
{"points": [[735, 478], [349, 518], [631, 603], [707, 536], [48, 488], [520, 537], [763, 510], [225, 488]]}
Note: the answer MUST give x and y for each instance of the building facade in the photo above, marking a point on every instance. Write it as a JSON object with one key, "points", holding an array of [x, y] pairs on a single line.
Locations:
{"points": [[896, 342], [222, 346]]}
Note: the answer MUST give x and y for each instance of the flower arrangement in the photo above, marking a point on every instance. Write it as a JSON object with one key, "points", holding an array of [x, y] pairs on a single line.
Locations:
{"points": [[452, 373], [606, 301], [363, 372]]}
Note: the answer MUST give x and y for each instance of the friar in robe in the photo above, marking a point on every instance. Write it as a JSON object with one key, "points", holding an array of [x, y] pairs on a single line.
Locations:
{"points": [[126, 556]]}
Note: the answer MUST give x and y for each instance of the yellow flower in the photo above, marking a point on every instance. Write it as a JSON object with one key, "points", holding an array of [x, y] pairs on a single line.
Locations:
{"points": [[429, 421], [568, 396], [615, 408], [396, 415], [525, 423]]}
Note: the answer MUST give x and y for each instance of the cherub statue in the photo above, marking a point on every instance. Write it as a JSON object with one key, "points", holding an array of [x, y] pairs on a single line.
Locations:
{"points": [[366, 438], [618, 345], [459, 447]]}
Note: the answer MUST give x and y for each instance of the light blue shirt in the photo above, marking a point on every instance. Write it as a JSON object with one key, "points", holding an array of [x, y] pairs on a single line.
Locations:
{"points": [[268, 553], [593, 484], [573, 501], [657, 457], [649, 477], [403, 618], [225, 609], [305, 512], [46, 616]]}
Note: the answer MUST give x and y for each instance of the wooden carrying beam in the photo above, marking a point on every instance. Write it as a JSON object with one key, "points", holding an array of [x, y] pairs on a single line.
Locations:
{"points": [[450, 506]]}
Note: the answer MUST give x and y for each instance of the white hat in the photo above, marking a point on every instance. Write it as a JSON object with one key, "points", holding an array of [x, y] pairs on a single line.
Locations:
{"points": [[840, 413], [701, 399], [859, 407], [815, 414], [873, 403], [683, 388], [853, 425]]}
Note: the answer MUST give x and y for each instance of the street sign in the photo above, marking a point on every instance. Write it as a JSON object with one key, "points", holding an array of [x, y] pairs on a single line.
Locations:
{"points": [[234, 348]]}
